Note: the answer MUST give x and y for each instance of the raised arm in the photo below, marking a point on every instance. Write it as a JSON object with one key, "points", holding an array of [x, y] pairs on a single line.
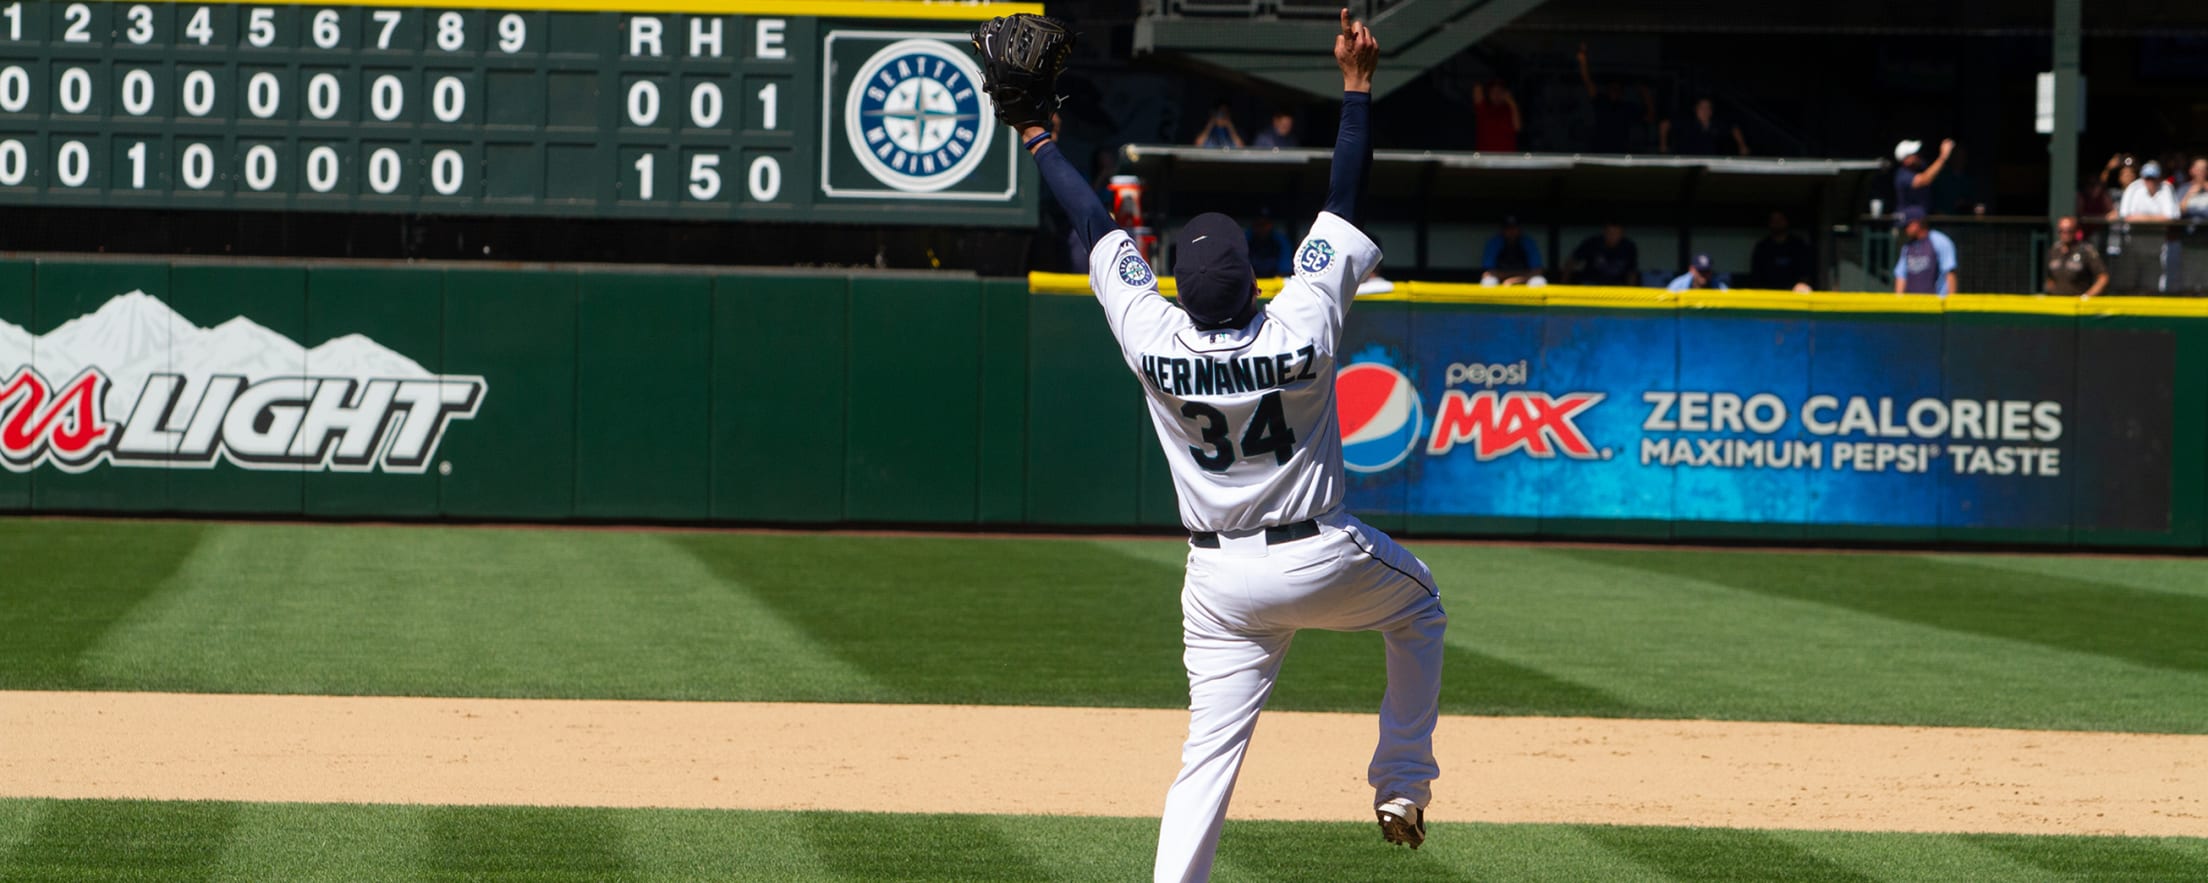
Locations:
{"points": [[1083, 209], [1021, 57], [1932, 172], [1358, 54]]}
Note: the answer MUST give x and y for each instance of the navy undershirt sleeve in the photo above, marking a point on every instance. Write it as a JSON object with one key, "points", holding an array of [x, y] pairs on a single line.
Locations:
{"points": [[1352, 156], [1074, 197]]}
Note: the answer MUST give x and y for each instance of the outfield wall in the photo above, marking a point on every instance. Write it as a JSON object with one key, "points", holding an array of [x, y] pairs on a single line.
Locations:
{"points": [[374, 391]]}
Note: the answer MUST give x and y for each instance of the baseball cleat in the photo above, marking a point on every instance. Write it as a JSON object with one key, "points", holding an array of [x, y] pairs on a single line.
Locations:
{"points": [[1401, 821]]}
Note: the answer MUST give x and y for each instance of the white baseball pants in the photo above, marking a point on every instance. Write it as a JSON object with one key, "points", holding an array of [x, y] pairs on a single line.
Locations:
{"points": [[1241, 605]]}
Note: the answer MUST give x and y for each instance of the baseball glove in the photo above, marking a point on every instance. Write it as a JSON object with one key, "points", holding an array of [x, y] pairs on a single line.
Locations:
{"points": [[1021, 57]]}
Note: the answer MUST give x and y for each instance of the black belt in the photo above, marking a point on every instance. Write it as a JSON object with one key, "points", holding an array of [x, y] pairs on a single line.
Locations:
{"points": [[1274, 536]]}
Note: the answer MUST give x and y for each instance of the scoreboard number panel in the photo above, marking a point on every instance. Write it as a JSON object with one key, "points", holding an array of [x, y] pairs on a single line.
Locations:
{"points": [[758, 113]]}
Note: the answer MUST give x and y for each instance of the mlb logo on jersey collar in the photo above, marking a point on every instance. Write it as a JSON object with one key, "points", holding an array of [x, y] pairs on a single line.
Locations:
{"points": [[1220, 340]]}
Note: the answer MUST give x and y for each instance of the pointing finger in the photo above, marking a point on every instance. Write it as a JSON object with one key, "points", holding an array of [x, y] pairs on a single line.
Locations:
{"points": [[1346, 30]]}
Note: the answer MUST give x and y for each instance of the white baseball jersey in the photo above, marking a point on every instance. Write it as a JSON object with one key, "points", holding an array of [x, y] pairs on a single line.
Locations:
{"points": [[1246, 415]]}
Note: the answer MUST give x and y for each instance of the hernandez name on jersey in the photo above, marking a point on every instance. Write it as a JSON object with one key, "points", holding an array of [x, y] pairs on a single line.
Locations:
{"points": [[1246, 415]]}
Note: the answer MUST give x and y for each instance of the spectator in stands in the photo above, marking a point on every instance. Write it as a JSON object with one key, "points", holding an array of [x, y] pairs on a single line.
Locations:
{"points": [[1913, 178], [2194, 204], [1219, 132], [1269, 248], [2149, 198], [2121, 173], [1927, 262], [1605, 259], [1511, 258], [1701, 273], [1495, 118], [2074, 269], [1701, 134], [1782, 260], [1614, 116], [1282, 133]]}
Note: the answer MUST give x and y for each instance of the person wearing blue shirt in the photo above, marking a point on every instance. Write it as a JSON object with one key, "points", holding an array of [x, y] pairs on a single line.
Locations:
{"points": [[1219, 132], [1511, 258], [1927, 262], [1701, 273]]}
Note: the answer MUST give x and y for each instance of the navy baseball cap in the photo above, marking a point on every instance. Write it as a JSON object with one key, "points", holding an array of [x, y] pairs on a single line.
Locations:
{"points": [[1911, 214], [1211, 267], [1702, 262]]}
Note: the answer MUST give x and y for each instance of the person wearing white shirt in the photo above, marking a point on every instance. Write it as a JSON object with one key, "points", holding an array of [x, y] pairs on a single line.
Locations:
{"points": [[2148, 199]]}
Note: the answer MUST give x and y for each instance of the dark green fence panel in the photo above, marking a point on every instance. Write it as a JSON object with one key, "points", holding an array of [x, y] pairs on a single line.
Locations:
{"points": [[1157, 502], [2113, 466], [1083, 407], [643, 397], [1001, 451], [778, 391], [125, 306], [915, 367], [399, 310], [516, 459], [240, 313], [17, 281]]}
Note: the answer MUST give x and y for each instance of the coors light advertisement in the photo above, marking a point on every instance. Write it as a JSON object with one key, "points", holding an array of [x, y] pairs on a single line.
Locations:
{"points": [[135, 385]]}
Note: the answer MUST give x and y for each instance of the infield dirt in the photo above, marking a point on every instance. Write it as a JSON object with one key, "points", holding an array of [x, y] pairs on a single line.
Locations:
{"points": [[1085, 761]]}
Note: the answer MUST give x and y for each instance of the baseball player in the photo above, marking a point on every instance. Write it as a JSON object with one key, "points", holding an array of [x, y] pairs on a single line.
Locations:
{"points": [[1242, 397]]}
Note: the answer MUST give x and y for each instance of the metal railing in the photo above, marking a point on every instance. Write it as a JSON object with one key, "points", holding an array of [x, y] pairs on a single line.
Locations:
{"points": [[2009, 254]]}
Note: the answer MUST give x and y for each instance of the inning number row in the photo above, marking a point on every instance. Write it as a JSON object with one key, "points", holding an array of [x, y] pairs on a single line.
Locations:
{"points": [[141, 25]]}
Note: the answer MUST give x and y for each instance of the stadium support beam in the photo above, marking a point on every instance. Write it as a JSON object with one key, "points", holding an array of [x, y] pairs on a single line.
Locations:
{"points": [[1415, 35], [2062, 145]]}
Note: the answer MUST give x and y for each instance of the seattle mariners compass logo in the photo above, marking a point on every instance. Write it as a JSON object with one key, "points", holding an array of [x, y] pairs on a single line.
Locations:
{"points": [[1134, 272], [915, 118]]}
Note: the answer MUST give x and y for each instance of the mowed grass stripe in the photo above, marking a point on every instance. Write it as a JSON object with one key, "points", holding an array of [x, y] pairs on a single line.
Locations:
{"points": [[76, 840], [64, 584], [1839, 637], [1661, 630], [2095, 617], [418, 611], [2171, 575]]}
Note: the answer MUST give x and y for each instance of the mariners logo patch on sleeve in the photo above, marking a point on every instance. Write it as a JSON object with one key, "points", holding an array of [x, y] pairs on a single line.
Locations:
{"points": [[1134, 271], [1317, 255]]}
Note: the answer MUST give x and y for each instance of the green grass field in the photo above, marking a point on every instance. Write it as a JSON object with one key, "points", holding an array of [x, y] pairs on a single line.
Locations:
{"points": [[63, 840], [1938, 639], [223, 841]]}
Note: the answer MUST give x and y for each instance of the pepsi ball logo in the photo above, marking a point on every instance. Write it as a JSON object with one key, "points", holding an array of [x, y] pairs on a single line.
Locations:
{"points": [[1380, 416]]}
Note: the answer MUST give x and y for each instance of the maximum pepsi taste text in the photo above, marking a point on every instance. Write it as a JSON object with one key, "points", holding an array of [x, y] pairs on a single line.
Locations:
{"points": [[1974, 436]]}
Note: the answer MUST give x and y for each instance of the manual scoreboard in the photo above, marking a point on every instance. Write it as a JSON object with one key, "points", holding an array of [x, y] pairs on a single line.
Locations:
{"points": [[753, 110]]}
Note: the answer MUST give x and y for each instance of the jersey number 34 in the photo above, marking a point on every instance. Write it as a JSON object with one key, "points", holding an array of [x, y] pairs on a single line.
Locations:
{"points": [[1267, 433]]}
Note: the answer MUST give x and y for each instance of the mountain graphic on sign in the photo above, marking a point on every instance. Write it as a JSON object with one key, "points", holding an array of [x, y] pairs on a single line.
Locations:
{"points": [[135, 335]]}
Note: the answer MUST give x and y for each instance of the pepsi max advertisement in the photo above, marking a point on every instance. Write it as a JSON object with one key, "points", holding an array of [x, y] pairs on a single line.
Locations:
{"points": [[1844, 420]]}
